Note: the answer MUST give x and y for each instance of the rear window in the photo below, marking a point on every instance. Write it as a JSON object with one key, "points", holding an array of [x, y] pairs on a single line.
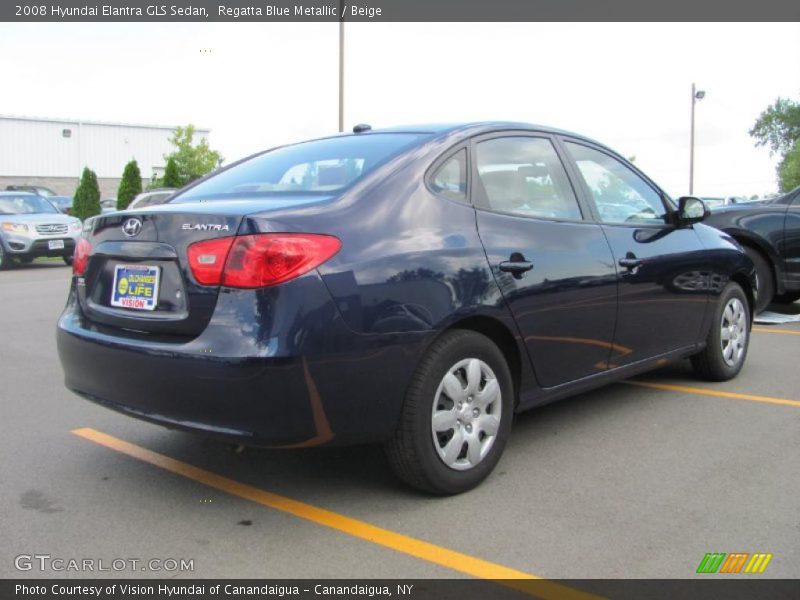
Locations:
{"points": [[153, 199], [319, 166]]}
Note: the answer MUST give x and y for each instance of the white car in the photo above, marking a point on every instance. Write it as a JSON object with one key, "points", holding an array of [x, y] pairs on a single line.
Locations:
{"points": [[30, 227]]}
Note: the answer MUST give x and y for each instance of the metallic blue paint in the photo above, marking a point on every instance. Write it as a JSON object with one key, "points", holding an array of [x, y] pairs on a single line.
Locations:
{"points": [[326, 358]]}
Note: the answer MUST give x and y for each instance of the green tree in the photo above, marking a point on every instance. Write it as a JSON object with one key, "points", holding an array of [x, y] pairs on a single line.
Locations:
{"points": [[192, 161], [171, 176], [778, 127], [789, 168], [130, 186], [86, 202]]}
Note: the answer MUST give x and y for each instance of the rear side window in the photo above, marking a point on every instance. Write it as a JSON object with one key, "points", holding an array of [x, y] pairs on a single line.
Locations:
{"points": [[318, 166], [524, 176], [450, 179]]}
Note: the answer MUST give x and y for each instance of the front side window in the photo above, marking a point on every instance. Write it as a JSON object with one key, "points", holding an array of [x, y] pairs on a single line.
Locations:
{"points": [[620, 195], [319, 166], [450, 179], [523, 176]]}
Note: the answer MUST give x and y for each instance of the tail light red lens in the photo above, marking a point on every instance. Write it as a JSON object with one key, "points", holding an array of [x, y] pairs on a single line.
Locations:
{"points": [[80, 259], [207, 259], [261, 260]]}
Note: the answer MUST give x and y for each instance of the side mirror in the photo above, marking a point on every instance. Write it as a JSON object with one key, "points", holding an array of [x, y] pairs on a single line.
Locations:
{"points": [[691, 210]]}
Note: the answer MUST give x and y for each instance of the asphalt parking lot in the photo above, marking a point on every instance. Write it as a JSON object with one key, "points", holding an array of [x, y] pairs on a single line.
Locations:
{"points": [[623, 482]]}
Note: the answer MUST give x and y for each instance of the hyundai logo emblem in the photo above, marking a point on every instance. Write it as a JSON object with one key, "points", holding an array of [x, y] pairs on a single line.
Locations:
{"points": [[132, 227]]}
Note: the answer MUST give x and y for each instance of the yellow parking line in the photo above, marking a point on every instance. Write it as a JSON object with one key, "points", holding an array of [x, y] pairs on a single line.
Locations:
{"points": [[450, 559], [769, 330], [706, 392]]}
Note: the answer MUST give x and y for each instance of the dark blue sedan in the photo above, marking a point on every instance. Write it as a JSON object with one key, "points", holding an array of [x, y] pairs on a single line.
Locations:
{"points": [[414, 287]]}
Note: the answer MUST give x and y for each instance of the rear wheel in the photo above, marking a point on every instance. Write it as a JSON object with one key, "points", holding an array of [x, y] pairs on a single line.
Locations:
{"points": [[456, 416], [728, 339], [764, 278]]}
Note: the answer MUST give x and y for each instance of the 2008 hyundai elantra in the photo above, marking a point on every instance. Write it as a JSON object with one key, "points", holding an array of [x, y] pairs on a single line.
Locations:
{"points": [[414, 287]]}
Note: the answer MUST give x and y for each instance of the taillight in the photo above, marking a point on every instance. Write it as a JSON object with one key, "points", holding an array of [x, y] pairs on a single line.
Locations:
{"points": [[80, 258], [207, 259], [260, 260]]}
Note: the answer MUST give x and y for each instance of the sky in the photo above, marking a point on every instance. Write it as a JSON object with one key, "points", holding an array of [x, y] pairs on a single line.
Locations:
{"points": [[256, 85]]}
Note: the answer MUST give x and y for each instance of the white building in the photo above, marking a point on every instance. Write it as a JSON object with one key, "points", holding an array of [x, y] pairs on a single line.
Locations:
{"points": [[53, 152]]}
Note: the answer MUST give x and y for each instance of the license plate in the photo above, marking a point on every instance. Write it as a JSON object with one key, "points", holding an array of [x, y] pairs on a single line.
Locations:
{"points": [[55, 245], [135, 286]]}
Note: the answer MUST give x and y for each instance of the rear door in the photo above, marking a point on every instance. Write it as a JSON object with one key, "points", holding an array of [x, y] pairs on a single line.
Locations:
{"points": [[554, 268], [663, 271]]}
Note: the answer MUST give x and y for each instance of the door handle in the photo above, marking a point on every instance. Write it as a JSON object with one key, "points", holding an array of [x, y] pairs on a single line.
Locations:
{"points": [[630, 261], [517, 268]]}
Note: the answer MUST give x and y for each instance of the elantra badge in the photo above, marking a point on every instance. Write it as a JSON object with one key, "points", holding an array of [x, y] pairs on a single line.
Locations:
{"points": [[205, 227], [132, 227]]}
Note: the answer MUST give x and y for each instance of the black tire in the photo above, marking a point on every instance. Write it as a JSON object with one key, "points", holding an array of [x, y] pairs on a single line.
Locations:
{"points": [[787, 298], [5, 260], [711, 363], [411, 451], [67, 260], [765, 276]]}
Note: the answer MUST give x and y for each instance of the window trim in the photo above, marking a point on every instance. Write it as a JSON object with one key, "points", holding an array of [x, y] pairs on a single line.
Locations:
{"points": [[481, 202], [439, 163], [586, 191]]}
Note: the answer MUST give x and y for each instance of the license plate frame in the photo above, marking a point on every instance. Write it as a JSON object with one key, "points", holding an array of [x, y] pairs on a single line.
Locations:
{"points": [[144, 277]]}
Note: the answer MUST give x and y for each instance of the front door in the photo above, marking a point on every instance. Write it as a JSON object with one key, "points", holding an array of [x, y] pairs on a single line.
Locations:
{"points": [[554, 268], [663, 271]]}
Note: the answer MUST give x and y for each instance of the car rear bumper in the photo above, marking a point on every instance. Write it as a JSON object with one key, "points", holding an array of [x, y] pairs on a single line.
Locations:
{"points": [[258, 400], [238, 384]]}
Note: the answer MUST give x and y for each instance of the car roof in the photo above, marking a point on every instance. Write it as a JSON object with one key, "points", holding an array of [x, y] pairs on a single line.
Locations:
{"points": [[18, 193], [472, 128]]}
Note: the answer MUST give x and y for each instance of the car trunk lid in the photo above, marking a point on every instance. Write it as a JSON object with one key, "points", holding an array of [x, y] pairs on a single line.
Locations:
{"points": [[138, 277]]}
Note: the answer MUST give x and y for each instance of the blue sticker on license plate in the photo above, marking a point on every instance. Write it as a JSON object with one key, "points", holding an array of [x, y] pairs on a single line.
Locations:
{"points": [[135, 286]]}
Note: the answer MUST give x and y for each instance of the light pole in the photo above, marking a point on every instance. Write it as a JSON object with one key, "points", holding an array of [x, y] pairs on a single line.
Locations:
{"points": [[341, 67], [696, 95]]}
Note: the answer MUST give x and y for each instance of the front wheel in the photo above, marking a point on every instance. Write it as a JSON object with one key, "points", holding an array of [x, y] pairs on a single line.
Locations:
{"points": [[67, 259], [456, 417], [728, 339]]}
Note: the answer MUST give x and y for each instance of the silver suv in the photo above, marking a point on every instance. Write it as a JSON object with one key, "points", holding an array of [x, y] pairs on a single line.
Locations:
{"points": [[30, 227]]}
